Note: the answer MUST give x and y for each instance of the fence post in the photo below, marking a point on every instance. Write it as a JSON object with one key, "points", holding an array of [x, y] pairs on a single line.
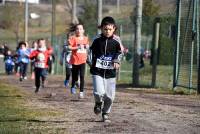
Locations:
{"points": [[119, 70], [198, 81], [198, 50], [193, 42], [176, 52], [155, 50]]}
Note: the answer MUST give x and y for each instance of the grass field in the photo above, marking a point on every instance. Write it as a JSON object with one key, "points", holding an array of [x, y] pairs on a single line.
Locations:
{"points": [[15, 114], [22, 111]]}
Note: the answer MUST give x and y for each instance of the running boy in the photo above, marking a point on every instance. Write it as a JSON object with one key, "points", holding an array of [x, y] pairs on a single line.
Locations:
{"points": [[41, 56], [104, 59], [23, 59], [79, 44], [65, 57]]}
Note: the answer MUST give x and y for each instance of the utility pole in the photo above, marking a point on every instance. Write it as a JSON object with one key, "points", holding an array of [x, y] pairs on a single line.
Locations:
{"points": [[118, 6], [53, 26], [177, 46], [53, 29], [137, 43], [26, 21], [74, 9], [99, 12], [198, 44]]}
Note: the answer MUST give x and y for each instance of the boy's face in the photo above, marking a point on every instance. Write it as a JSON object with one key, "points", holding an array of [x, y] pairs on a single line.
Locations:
{"points": [[108, 30], [79, 30], [9, 52], [35, 45], [42, 43], [23, 46]]}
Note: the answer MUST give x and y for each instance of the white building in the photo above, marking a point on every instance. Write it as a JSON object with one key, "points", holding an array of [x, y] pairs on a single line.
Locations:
{"points": [[29, 1]]}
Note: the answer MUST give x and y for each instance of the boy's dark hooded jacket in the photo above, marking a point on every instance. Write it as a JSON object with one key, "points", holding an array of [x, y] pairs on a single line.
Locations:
{"points": [[105, 49]]}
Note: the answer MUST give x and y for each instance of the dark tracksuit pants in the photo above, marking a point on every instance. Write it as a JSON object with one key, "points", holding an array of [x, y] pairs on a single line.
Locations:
{"points": [[40, 73], [23, 68], [68, 73], [78, 70]]}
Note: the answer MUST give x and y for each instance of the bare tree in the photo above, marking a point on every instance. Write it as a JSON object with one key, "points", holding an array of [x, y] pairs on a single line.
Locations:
{"points": [[12, 19], [137, 43], [74, 10], [69, 4]]}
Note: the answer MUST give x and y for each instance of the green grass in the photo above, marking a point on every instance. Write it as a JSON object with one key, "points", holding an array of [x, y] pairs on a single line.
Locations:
{"points": [[15, 116], [164, 74]]}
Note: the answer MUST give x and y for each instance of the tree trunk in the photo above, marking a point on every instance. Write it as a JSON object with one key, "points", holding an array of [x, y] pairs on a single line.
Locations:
{"points": [[137, 44]]}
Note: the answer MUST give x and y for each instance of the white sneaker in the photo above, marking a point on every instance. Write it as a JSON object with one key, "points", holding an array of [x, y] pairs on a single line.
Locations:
{"points": [[25, 78], [81, 95], [105, 118]]}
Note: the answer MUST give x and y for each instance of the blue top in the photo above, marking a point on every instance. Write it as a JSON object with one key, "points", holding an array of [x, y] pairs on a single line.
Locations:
{"points": [[23, 55], [9, 60]]}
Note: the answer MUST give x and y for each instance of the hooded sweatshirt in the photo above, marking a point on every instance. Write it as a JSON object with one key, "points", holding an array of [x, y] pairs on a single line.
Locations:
{"points": [[41, 56]]}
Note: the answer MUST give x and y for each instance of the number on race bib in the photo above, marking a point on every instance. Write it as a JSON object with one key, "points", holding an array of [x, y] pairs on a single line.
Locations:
{"points": [[40, 64], [103, 64], [81, 50], [24, 60]]}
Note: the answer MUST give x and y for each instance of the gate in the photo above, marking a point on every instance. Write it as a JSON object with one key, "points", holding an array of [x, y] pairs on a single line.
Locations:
{"points": [[187, 45]]}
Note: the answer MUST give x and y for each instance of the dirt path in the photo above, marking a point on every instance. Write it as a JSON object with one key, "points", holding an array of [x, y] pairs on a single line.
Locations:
{"points": [[135, 112]]}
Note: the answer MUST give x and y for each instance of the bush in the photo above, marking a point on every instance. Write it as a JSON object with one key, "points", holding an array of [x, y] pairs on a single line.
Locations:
{"points": [[88, 18], [166, 51]]}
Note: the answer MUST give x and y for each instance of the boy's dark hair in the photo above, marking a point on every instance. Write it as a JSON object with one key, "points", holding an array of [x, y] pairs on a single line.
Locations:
{"points": [[38, 41], [22, 43], [107, 21]]}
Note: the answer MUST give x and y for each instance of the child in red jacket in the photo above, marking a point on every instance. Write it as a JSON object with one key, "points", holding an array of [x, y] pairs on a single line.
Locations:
{"points": [[41, 56]]}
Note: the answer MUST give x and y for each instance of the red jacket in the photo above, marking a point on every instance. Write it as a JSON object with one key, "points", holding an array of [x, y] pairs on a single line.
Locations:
{"points": [[41, 57]]}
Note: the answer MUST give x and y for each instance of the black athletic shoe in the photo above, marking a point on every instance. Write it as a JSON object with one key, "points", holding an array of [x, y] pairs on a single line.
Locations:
{"points": [[105, 118], [37, 89], [43, 84], [21, 78], [97, 108], [77, 84]]}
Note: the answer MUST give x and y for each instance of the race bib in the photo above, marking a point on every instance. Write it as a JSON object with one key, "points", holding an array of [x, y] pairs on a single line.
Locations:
{"points": [[104, 63], [8, 61], [81, 50], [24, 60], [40, 64], [40, 57], [68, 57]]}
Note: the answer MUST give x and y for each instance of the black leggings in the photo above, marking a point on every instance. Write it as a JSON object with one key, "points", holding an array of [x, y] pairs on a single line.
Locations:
{"points": [[78, 70]]}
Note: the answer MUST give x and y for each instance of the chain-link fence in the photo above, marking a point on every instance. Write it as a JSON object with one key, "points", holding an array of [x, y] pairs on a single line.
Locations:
{"points": [[187, 50]]}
